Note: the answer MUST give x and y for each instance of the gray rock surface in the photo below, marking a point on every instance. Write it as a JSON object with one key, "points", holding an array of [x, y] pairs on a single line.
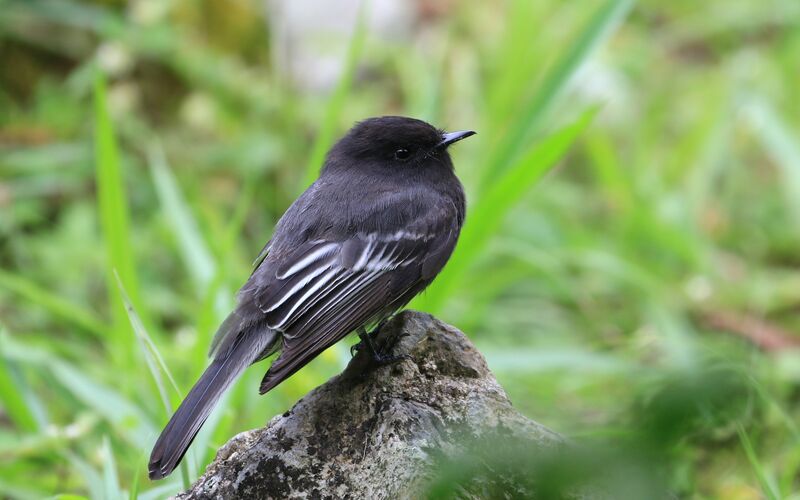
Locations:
{"points": [[379, 432]]}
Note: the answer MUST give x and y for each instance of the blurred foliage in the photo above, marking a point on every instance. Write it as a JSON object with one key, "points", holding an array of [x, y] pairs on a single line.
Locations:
{"points": [[642, 298]]}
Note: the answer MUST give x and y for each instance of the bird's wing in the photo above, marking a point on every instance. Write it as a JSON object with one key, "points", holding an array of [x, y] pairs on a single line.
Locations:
{"points": [[327, 289]]}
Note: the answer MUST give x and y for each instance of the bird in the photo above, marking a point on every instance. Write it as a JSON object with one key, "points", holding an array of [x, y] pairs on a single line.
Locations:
{"points": [[370, 233]]}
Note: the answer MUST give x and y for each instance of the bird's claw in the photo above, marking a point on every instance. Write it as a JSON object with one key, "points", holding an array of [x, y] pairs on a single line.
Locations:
{"points": [[378, 358]]}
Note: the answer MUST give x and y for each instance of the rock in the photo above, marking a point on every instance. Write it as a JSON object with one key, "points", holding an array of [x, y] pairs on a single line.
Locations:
{"points": [[380, 432]]}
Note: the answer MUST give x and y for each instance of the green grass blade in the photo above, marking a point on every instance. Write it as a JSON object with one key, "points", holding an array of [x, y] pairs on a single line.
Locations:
{"points": [[113, 212], [611, 176], [133, 493], [155, 363], [488, 212], [92, 479], [781, 145], [64, 309], [18, 492], [127, 418], [767, 484], [600, 26], [165, 489], [333, 109], [209, 317], [111, 487], [194, 250], [12, 400], [420, 78], [518, 59]]}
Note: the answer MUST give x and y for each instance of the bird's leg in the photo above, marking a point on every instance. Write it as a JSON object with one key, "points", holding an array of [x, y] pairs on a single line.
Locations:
{"points": [[377, 357], [378, 327], [372, 334]]}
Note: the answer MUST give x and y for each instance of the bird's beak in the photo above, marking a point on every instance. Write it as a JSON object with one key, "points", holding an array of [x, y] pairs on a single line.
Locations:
{"points": [[451, 137]]}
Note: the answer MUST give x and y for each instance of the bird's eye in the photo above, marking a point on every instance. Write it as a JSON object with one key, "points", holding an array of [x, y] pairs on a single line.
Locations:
{"points": [[402, 154]]}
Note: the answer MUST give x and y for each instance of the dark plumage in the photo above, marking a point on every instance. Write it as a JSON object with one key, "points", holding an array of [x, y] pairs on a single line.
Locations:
{"points": [[372, 232]]}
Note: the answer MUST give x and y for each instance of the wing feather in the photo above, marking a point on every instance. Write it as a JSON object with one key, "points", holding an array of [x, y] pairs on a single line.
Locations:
{"points": [[323, 290], [328, 329], [318, 272]]}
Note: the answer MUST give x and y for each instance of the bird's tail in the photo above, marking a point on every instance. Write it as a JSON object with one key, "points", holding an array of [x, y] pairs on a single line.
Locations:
{"points": [[195, 408]]}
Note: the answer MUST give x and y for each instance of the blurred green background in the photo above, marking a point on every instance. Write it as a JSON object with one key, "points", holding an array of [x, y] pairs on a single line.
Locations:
{"points": [[630, 265]]}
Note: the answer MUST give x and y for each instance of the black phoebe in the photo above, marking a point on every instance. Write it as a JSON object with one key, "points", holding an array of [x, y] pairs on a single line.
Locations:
{"points": [[371, 233]]}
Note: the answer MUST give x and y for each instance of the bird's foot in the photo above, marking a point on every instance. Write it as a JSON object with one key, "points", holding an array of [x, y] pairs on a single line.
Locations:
{"points": [[371, 334], [378, 358]]}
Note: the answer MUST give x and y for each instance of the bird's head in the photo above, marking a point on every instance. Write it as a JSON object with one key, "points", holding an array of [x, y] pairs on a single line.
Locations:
{"points": [[396, 143]]}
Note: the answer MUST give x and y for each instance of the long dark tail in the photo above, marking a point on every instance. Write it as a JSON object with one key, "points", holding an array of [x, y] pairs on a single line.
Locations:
{"points": [[195, 408]]}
